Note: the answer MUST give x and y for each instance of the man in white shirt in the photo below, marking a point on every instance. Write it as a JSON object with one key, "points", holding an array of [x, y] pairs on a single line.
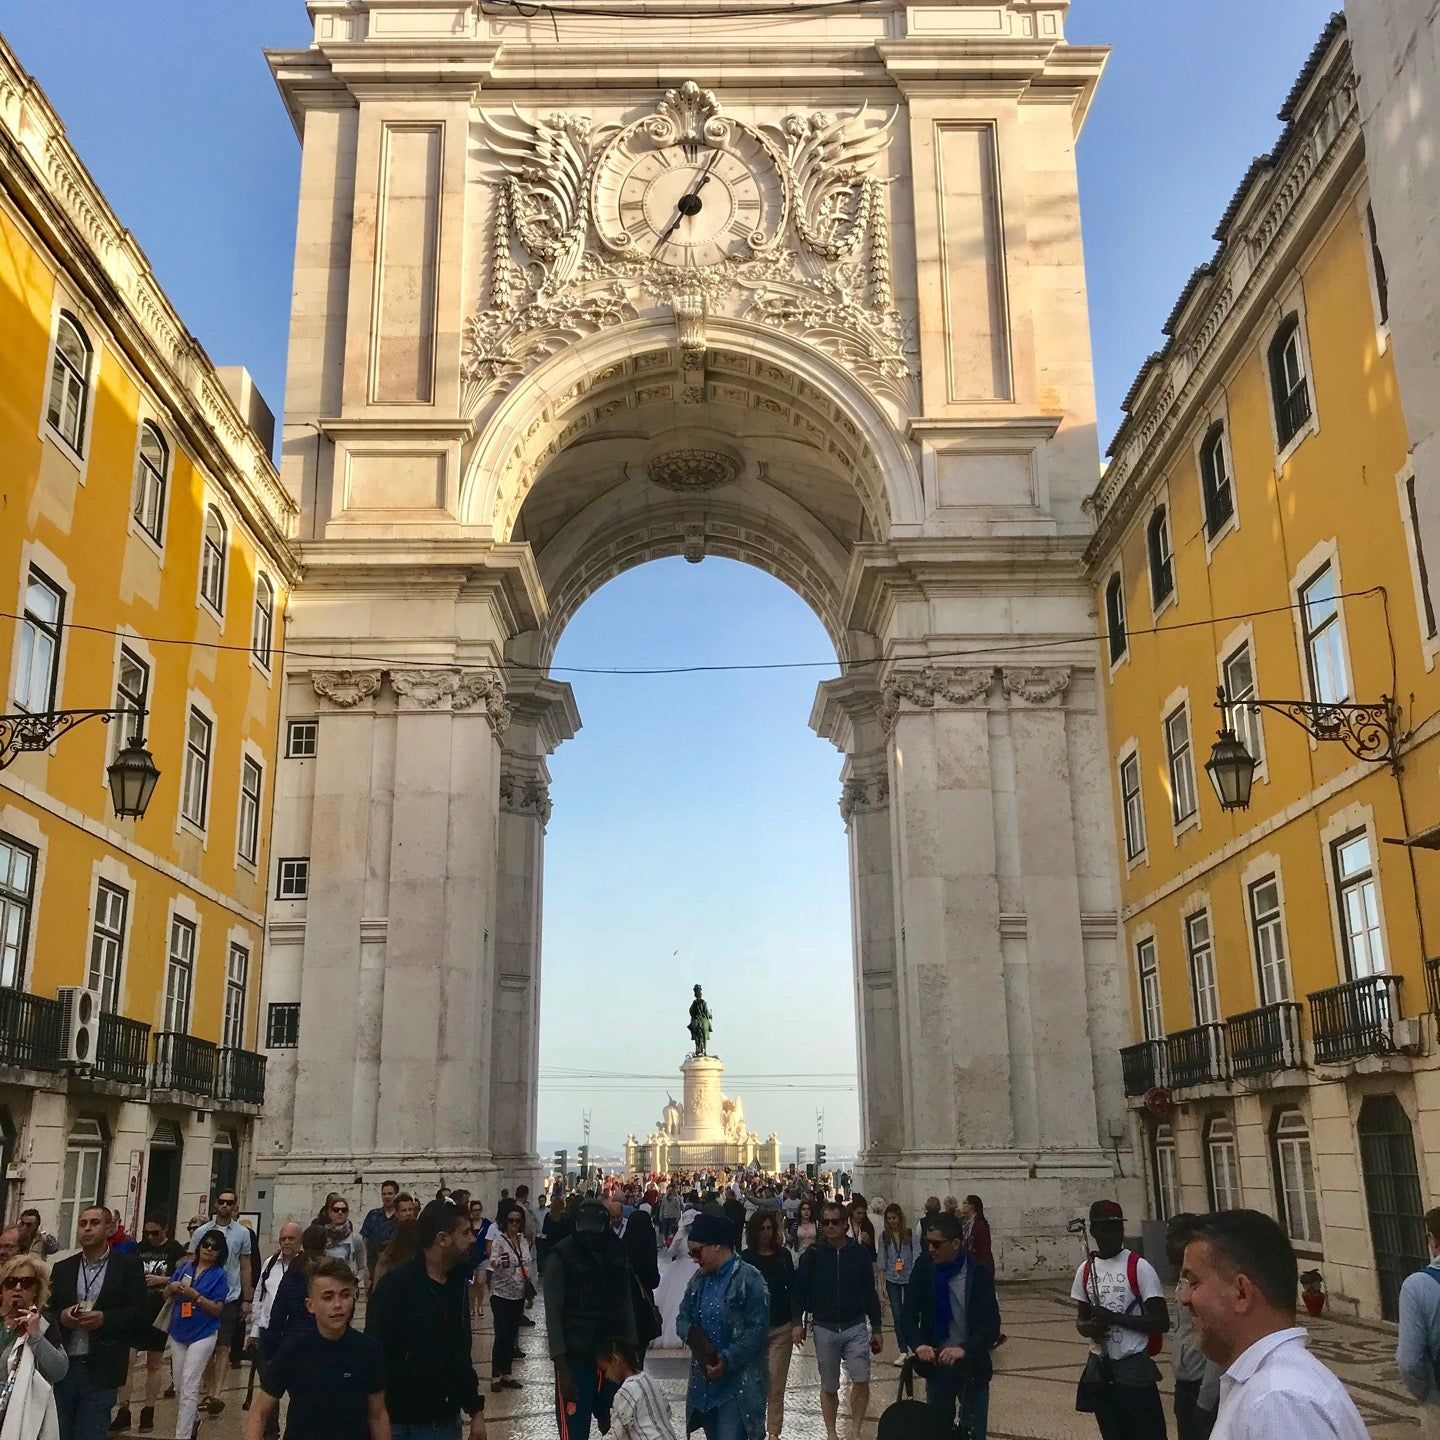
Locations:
{"points": [[1238, 1282], [272, 1272]]}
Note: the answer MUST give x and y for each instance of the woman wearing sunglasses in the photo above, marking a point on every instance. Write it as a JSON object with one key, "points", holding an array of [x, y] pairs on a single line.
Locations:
{"points": [[30, 1364], [197, 1297]]}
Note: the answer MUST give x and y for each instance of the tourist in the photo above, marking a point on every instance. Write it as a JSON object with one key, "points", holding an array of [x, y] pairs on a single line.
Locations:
{"points": [[898, 1253], [727, 1303], [24, 1298], [553, 1228], [289, 1315], [97, 1299], [1197, 1380], [932, 1208], [953, 1317], [240, 1254], [288, 1243], [159, 1256], [587, 1284], [952, 1205], [1119, 1306], [511, 1263], [478, 1263], [33, 1238], [1239, 1282], [407, 1207], [806, 1230], [668, 1215], [334, 1375], [12, 1242], [977, 1231], [1417, 1352], [404, 1245], [765, 1252], [343, 1241], [639, 1410], [379, 1224], [420, 1316], [674, 1282], [862, 1228], [197, 1293], [835, 1288], [733, 1208], [636, 1233]]}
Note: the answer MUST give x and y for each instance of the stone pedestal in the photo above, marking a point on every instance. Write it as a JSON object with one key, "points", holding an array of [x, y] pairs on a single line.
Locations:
{"points": [[704, 1123]]}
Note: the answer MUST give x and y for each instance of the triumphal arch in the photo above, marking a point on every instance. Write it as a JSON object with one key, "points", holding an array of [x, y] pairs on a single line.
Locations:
{"points": [[582, 285]]}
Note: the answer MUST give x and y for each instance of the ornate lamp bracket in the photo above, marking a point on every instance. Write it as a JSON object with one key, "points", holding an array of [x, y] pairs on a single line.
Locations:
{"points": [[1369, 732], [41, 729]]}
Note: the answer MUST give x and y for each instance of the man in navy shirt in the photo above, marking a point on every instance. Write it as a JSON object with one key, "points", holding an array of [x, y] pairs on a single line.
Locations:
{"points": [[334, 1376]]}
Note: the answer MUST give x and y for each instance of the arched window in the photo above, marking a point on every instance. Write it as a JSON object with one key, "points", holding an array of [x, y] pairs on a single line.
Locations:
{"points": [[1162, 560], [1295, 1177], [212, 561], [1164, 1172], [1115, 617], [70, 383], [1289, 388], [262, 631], [152, 473], [1216, 487], [1222, 1164]]}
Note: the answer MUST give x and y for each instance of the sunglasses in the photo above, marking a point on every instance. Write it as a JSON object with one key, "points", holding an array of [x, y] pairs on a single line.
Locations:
{"points": [[19, 1282], [834, 1224], [341, 1209], [209, 1245]]}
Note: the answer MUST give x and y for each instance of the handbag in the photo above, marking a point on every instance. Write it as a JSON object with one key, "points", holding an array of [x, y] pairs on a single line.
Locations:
{"points": [[161, 1322], [912, 1419]]}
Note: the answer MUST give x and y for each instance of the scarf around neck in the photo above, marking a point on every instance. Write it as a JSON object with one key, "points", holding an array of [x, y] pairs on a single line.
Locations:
{"points": [[944, 1309]]}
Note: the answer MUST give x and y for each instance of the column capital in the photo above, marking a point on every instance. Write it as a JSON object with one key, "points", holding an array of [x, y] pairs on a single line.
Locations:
{"points": [[1035, 685], [525, 795], [931, 687], [861, 794], [483, 689], [424, 689], [345, 689]]}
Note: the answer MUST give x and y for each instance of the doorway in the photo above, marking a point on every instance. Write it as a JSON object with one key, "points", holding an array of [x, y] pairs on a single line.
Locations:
{"points": [[162, 1186], [224, 1164], [1392, 1196]]}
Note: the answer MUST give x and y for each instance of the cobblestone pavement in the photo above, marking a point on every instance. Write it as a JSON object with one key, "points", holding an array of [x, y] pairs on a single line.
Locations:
{"points": [[1031, 1398]]}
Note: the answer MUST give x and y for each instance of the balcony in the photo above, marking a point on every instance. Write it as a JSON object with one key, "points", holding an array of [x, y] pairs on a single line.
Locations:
{"points": [[1357, 1018], [1144, 1066], [1432, 983], [1197, 1056], [123, 1051], [29, 1031], [183, 1063], [1292, 411], [241, 1076], [1265, 1040]]}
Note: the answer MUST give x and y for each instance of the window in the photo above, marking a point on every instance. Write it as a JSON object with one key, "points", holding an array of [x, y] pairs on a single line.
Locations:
{"points": [[1115, 618], [1152, 1017], [132, 695], [1295, 1179], [81, 1178], [292, 879], [300, 736], [1181, 763], [1162, 560], [1289, 389], [1200, 951], [1222, 1165], [70, 382], [107, 943], [1267, 927], [1325, 666], [1377, 267], [1167, 1188], [195, 784], [1359, 906], [179, 974], [262, 630], [17, 898], [40, 628], [251, 779], [152, 473], [1238, 672], [282, 1027], [1132, 805], [1423, 575], [212, 561], [237, 972], [1217, 491]]}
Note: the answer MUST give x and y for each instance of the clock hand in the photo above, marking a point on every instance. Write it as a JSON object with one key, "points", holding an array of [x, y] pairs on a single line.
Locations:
{"points": [[693, 193]]}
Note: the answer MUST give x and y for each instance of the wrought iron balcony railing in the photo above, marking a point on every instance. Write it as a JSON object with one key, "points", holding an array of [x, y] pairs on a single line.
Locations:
{"points": [[1293, 411], [1197, 1056], [1265, 1040], [183, 1062], [29, 1030], [1144, 1066], [241, 1076], [1432, 983], [123, 1051], [1356, 1018]]}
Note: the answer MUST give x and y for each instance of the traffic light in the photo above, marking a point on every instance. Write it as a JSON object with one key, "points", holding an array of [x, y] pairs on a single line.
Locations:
{"points": [[584, 1163], [819, 1159], [562, 1163]]}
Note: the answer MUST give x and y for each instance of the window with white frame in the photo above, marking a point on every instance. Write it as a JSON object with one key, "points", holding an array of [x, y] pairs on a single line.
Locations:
{"points": [[212, 560], [292, 878], [1200, 952], [1422, 572], [1359, 905], [1115, 618], [41, 626], [1162, 558], [107, 943], [237, 976], [1163, 1163], [70, 368], [1295, 1178], [179, 974], [195, 783], [1217, 489], [1152, 1016], [282, 1026], [1268, 929], [17, 902], [152, 475], [1132, 805], [82, 1176], [1325, 666], [251, 782], [262, 630], [300, 738], [1222, 1164], [1377, 267], [1238, 672], [132, 695], [1289, 387], [1181, 762]]}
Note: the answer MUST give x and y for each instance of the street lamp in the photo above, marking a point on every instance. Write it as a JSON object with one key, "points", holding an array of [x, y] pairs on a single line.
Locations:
{"points": [[132, 774]]}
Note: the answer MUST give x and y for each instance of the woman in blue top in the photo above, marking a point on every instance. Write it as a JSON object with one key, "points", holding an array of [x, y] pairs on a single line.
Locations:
{"points": [[898, 1253], [197, 1294]]}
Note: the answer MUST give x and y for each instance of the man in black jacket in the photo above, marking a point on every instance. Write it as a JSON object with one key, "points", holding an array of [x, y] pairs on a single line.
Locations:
{"points": [[420, 1314], [97, 1298]]}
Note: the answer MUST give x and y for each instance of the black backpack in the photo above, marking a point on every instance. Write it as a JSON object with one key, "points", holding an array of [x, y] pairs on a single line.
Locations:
{"points": [[911, 1419]]}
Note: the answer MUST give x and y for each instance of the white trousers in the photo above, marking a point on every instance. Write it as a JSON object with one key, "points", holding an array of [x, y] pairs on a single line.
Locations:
{"points": [[187, 1364]]}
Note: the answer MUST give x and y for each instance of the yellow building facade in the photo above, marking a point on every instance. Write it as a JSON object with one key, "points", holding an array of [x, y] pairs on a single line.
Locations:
{"points": [[145, 560], [1255, 531]]}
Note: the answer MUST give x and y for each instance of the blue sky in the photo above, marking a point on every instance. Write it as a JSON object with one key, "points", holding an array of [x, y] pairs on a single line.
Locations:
{"points": [[692, 814]]}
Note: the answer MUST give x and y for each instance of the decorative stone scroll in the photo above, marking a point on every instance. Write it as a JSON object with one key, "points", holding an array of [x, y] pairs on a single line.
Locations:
{"points": [[1036, 685], [346, 688], [861, 794], [934, 686], [521, 796], [487, 688], [425, 689]]}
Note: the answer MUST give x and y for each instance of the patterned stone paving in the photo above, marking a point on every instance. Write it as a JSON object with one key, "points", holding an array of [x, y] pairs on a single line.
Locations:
{"points": [[1032, 1397]]}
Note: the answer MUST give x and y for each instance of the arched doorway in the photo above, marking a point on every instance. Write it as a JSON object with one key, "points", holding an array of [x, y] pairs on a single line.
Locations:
{"points": [[1392, 1196]]}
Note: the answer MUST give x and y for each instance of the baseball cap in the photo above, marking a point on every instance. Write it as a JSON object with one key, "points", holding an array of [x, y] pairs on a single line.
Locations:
{"points": [[1106, 1210]]}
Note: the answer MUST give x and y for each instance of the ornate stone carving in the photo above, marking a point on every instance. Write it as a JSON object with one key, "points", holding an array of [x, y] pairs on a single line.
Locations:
{"points": [[931, 686], [692, 471], [693, 544], [521, 796], [862, 793], [346, 688], [832, 161], [1037, 684], [487, 688], [424, 688]]}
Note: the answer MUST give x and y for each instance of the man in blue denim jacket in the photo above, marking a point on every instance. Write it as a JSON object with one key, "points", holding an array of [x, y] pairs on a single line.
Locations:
{"points": [[1418, 1351]]}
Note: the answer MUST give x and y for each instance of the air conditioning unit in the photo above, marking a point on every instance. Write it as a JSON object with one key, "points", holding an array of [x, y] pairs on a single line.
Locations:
{"points": [[79, 1023]]}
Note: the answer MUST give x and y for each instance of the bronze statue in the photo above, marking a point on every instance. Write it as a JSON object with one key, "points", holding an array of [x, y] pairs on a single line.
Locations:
{"points": [[699, 1022]]}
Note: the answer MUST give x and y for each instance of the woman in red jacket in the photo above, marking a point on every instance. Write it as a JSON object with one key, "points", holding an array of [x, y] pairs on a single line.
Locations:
{"points": [[977, 1231]]}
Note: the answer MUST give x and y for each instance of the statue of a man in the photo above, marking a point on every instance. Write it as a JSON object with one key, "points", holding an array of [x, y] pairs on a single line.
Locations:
{"points": [[699, 1022]]}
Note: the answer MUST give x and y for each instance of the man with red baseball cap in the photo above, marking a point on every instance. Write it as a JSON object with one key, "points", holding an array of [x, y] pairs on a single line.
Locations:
{"points": [[1121, 1310]]}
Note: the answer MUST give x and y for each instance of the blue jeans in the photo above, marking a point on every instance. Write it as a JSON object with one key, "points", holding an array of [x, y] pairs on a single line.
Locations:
{"points": [[897, 1313], [452, 1431], [726, 1422], [951, 1386], [593, 1398], [82, 1409]]}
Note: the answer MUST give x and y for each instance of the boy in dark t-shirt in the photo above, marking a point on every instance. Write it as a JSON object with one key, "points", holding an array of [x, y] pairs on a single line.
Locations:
{"points": [[334, 1376]]}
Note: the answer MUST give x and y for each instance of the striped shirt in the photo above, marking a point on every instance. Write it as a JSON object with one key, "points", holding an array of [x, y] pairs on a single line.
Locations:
{"points": [[640, 1411], [1277, 1390]]}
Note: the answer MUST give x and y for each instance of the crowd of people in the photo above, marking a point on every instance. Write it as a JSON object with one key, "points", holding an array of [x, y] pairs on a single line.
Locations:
{"points": [[758, 1268]]}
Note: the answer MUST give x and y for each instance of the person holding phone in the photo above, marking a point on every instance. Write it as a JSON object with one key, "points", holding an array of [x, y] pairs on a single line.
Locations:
{"points": [[196, 1294]]}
